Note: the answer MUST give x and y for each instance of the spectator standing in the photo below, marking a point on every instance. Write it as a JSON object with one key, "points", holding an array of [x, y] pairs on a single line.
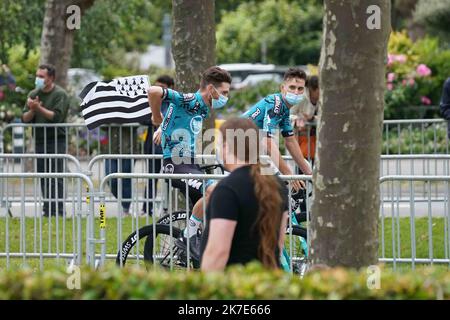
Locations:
{"points": [[48, 104], [445, 103], [305, 118]]}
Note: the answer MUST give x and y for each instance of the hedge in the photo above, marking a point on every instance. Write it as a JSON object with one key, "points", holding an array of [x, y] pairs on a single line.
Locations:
{"points": [[250, 282]]}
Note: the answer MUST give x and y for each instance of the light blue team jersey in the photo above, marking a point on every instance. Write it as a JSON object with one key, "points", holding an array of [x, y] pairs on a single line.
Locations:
{"points": [[182, 123], [270, 114]]}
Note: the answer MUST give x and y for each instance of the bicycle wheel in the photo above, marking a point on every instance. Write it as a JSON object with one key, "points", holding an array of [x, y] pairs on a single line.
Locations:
{"points": [[164, 243], [178, 219], [168, 255], [299, 254]]}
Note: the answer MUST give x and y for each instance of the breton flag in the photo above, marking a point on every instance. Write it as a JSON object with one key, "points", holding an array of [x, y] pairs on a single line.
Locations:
{"points": [[123, 100]]}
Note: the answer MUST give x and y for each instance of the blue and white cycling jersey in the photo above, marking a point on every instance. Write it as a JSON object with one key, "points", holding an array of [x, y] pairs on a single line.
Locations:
{"points": [[182, 123], [270, 114]]}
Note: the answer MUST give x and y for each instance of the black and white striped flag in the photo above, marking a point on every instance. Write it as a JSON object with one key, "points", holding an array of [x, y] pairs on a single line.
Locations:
{"points": [[123, 100]]}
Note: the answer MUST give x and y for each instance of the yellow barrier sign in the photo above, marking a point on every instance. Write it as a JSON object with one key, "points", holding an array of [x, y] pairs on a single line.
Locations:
{"points": [[102, 216]]}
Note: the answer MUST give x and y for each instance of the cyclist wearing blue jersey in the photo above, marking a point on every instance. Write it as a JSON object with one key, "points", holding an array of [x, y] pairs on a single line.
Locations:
{"points": [[272, 113], [180, 127]]}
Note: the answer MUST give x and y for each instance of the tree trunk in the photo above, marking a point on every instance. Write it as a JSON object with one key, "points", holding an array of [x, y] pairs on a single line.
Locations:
{"points": [[57, 38], [193, 43], [344, 220]]}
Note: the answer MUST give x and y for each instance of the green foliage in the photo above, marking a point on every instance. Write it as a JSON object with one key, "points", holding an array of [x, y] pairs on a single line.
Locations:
{"points": [[414, 140], [241, 100], [435, 15], [291, 31], [408, 87], [250, 282], [112, 25], [23, 65], [20, 23]]}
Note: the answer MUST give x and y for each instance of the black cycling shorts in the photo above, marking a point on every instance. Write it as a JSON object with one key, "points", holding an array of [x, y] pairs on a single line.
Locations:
{"points": [[195, 186]]}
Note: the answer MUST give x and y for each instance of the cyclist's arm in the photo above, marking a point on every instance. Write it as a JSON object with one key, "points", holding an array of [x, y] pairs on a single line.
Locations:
{"points": [[155, 97], [274, 152], [217, 251], [296, 153]]}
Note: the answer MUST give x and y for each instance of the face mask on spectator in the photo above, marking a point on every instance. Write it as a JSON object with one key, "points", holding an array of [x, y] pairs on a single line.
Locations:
{"points": [[39, 83]]}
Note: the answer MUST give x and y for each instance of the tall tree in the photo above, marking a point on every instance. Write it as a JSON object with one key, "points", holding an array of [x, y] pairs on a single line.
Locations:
{"points": [[57, 35], [193, 43], [344, 223]]}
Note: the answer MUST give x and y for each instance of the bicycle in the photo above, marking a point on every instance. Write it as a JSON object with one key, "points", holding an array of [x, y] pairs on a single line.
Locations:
{"points": [[176, 219], [160, 239]]}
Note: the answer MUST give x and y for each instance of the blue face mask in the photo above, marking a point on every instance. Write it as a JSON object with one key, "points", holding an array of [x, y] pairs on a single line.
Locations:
{"points": [[219, 103], [293, 98], [39, 83]]}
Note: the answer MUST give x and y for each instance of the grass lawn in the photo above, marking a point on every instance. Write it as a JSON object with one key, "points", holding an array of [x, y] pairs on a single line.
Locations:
{"points": [[50, 228], [66, 230]]}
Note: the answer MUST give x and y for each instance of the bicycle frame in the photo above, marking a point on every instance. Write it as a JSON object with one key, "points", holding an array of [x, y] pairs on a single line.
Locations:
{"points": [[285, 259]]}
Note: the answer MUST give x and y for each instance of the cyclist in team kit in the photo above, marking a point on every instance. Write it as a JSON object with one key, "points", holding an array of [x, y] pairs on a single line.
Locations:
{"points": [[272, 113], [178, 132]]}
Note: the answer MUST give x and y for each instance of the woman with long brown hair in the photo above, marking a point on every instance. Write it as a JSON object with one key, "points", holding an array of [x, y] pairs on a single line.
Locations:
{"points": [[247, 213]]}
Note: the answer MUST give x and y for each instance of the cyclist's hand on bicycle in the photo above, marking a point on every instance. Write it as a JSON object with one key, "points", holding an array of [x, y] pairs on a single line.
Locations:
{"points": [[298, 184], [157, 136]]}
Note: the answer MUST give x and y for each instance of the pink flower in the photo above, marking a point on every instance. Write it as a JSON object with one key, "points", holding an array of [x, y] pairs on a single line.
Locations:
{"points": [[404, 82], [390, 76], [411, 82], [423, 70], [390, 86], [401, 58], [425, 100], [390, 59]]}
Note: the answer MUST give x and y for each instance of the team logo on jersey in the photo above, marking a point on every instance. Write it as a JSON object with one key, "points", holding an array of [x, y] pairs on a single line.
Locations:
{"points": [[169, 115], [277, 107], [256, 113], [169, 168], [196, 124], [188, 97]]}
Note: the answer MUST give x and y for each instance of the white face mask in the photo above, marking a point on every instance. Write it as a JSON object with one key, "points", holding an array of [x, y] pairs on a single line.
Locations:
{"points": [[293, 98], [39, 83], [218, 103]]}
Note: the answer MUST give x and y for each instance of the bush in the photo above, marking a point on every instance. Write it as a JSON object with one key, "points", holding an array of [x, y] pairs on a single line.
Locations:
{"points": [[416, 72], [434, 14], [416, 140], [241, 100], [250, 282], [290, 31]]}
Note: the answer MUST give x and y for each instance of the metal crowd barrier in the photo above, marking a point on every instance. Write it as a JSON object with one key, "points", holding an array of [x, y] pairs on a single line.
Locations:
{"points": [[411, 232], [409, 136], [33, 236], [415, 232], [78, 139], [415, 136], [10, 163], [416, 165], [137, 255]]}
